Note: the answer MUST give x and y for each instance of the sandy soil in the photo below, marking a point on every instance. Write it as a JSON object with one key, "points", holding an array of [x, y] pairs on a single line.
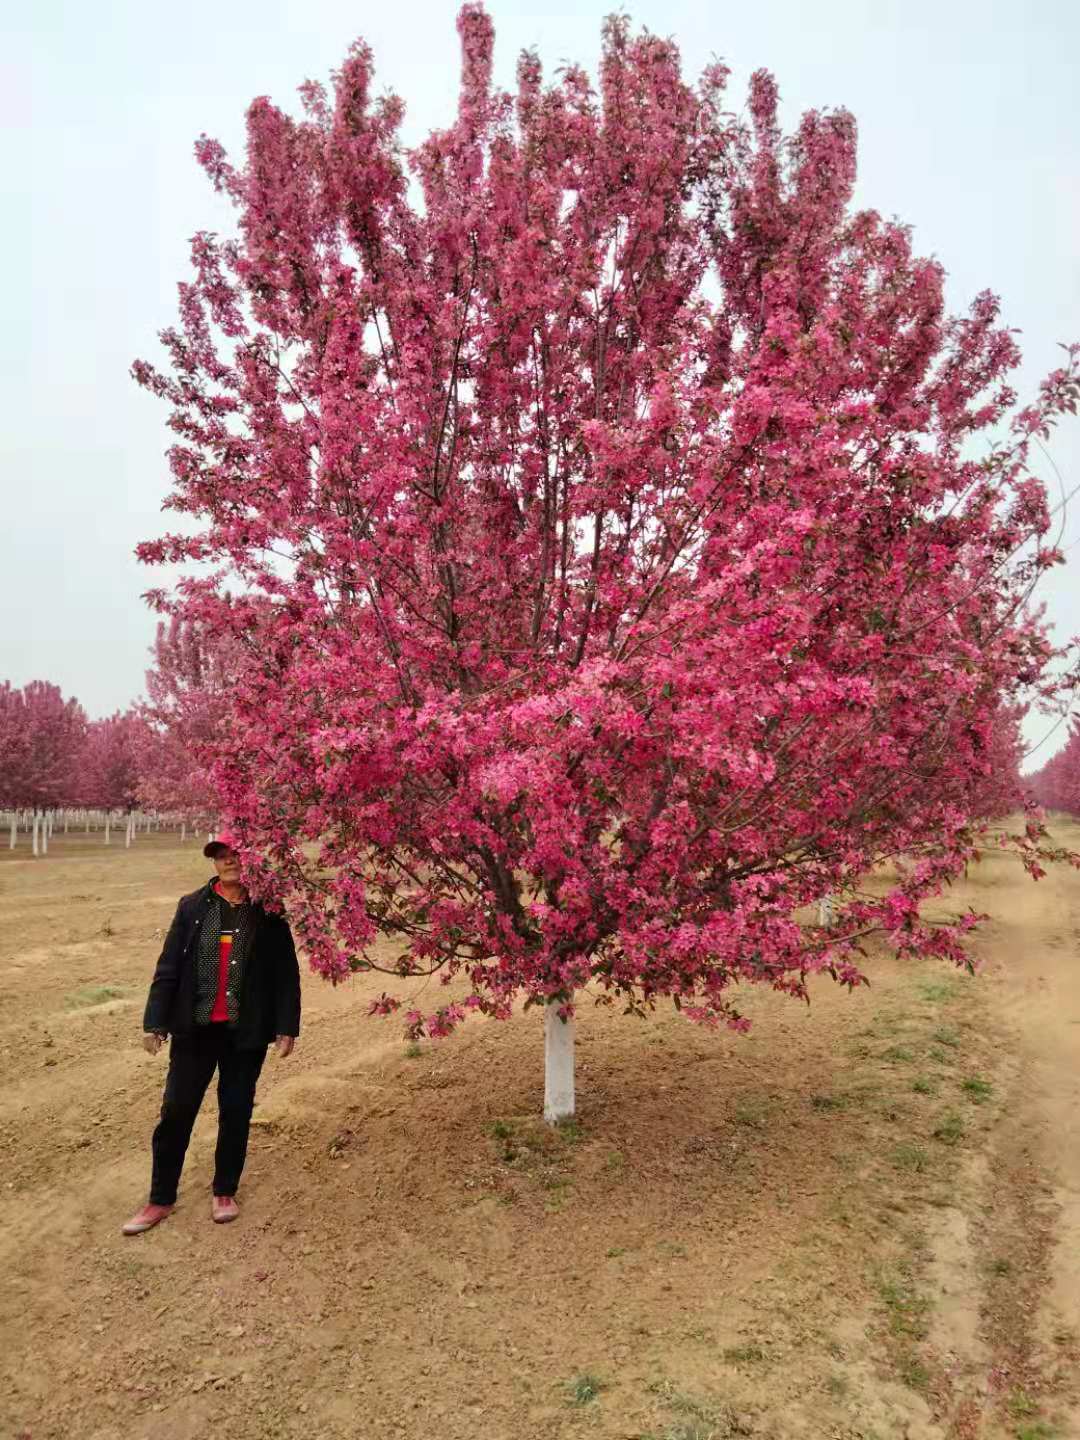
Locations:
{"points": [[861, 1222]]}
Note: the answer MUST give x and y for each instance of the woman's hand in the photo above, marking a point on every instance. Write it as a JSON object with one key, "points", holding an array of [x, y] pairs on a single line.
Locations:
{"points": [[152, 1042], [285, 1045]]}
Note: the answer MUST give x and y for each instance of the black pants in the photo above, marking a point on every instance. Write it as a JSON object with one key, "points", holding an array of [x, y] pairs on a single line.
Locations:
{"points": [[192, 1061]]}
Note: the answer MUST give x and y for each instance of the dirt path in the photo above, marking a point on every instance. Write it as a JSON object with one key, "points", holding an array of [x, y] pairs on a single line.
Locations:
{"points": [[860, 1223]]}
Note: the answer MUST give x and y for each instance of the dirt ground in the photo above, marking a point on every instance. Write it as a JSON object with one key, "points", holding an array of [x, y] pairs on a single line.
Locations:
{"points": [[860, 1222]]}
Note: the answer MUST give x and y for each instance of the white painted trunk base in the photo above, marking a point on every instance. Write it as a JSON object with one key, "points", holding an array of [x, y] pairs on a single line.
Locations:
{"points": [[826, 912], [558, 1065], [14, 833]]}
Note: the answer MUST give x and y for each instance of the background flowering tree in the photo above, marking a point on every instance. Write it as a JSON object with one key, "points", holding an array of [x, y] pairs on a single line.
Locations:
{"points": [[110, 766], [186, 688], [1057, 784], [601, 539], [41, 741]]}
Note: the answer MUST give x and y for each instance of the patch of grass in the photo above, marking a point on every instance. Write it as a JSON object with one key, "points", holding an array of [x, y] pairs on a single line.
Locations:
{"points": [[615, 1162], [935, 991], [906, 1308], [1020, 1405], [946, 1035], [616, 1251], [1039, 1431], [93, 995], [837, 1386], [502, 1130], [752, 1113], [913, 1372], [829, 1102], [413, 1051], [923, 1086], [939, 1056], [584, 1389], [950, 1129], [896, 1054], [1001, 1267], [910, 1157], [979, 1090], [744, 1354], [568, 1130]]}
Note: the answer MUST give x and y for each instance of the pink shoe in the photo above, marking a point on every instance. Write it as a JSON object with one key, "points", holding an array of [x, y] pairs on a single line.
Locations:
{"points": [[146, 1219], [225, 1209]]}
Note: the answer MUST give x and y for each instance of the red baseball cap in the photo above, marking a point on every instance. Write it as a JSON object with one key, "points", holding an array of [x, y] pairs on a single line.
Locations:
{"points": [[223, 840]]}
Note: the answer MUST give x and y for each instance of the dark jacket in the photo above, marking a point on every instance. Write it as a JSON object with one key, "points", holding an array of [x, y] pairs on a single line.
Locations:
{"points": [[270, 992]]}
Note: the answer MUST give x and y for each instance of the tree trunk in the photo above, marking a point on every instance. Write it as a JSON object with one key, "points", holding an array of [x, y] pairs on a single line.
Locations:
{"points": [[45, 826], [129, 830], [108, 822], [14, 831], [34, 833], [558, 1065], [183, 832], [826, 911]]}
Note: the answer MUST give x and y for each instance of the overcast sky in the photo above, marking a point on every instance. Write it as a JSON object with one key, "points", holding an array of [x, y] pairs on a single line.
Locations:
{"points": [[968, 123]]}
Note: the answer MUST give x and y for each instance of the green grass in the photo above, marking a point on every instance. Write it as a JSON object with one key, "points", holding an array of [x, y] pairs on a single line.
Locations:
{"points": [[946, 1035], [1020, 1404], [1039, 1431], [744, 1354], [829, 1102], [913, 1372], [1001, 1267], [923, 1086], [935, 991], [910, 1157], [584, 1389], [413, 1051], [950, 1129], [93, 995], [978, 1090], [896, 1053], [752, 1113], [906, 1308]]}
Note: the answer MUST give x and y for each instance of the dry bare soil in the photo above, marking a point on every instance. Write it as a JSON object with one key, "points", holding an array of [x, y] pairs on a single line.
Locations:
{"points": [[860, 1222]]}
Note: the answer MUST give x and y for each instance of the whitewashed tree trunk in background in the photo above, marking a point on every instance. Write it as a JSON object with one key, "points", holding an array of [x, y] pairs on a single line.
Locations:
{"points": [[558, 1065], [826, 911], [66, 819], [183, 833], [128, 831], [45, 834], [34, 833], [14, 831], [108, 822]]}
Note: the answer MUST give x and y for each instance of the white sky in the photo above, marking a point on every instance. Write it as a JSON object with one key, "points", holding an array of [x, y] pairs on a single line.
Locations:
{"points": [[968, 117]]}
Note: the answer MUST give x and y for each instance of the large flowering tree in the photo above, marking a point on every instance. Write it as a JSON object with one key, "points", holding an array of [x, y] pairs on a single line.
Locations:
{"points": [[591, 493]]}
